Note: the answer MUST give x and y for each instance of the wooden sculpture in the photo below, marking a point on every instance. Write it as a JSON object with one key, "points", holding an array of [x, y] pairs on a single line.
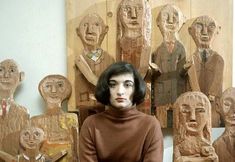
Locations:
{"points": [[167, 64], [206, 72], [31, 139], [225, 144], [90, 64], [192, 129], [13, 117], [134, 33], [60, 127], [134, 39]]}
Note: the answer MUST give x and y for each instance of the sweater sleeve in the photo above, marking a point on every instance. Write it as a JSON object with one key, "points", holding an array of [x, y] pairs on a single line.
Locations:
{"points": [[154, 144], [87, 150]]}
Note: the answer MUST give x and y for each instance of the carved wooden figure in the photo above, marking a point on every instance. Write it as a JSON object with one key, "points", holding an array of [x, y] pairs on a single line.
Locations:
{"points": [[225, 144], [31, 140], [90, 64], [206, 74], [168, 64], [134, 39], [58, 126], [13, 117], [134, 33], [192, 129]]}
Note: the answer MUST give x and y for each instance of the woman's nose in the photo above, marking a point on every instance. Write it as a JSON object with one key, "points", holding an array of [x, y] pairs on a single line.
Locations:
{"points": [[120, 90]]}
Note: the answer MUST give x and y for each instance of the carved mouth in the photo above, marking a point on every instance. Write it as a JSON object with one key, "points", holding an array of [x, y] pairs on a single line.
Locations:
{"points": [[192, 124], [170, 26], [204, 38]]}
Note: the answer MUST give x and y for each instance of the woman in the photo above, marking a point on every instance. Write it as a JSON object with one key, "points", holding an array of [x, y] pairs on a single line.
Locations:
{"points": [[121, 133]]}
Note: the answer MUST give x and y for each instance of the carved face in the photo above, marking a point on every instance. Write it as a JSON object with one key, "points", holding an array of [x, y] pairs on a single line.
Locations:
{"points": [[121, 89], [168, 19], [193, 113], [54, 88], [228, 106], [9, 76], [202, 30], [131, 13], [31, 138], [90, 30]]}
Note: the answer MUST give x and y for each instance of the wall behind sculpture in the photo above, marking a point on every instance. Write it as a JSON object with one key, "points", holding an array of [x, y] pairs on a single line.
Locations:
{"points": [[33, 32]]}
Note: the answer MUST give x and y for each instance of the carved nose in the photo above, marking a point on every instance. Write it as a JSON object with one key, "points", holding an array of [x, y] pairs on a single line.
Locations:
{"points": [[89, 29], [53, 89], [204, 30], [6, 74], [192, 116], [170, 19], [133, 12]]}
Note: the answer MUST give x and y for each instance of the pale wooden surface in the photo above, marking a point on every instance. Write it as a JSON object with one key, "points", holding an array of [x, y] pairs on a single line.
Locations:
{"points": [[220, 10]]}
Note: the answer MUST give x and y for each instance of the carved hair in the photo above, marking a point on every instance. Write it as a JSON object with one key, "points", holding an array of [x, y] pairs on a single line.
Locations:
{"points": [[180, 131], [146, 29]]}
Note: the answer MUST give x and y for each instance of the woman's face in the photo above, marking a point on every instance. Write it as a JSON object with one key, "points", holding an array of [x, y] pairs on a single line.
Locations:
{"points": [[121, 89]]}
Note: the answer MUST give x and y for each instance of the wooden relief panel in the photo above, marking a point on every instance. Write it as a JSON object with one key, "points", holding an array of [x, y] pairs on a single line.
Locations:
{"points": [[225, 144], [13, 117], [192, 129], [114, 16], [61, 128]]}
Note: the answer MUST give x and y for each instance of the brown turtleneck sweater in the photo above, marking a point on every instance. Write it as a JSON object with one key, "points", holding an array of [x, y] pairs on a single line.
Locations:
{"points": [[121, 136]]}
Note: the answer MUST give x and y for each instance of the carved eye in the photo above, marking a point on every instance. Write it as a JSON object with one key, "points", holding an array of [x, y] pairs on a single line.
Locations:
{"points": [[60, 85], [211, 26], [184, 108], [227, 104], [200, 110], [1, 70], [36, 133], [85, 24]]}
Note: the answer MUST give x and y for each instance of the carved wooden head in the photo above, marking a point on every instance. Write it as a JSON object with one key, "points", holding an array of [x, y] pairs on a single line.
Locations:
{"points": [[202, 31], [170, 19], [31, 138], [10, 77], [55, 88], [228, 106], [192, 114], [134, 19], [92, 30]]}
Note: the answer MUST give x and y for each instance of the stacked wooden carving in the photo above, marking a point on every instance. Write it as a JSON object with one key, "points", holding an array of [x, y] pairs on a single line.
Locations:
{"points": [[186, 94]]}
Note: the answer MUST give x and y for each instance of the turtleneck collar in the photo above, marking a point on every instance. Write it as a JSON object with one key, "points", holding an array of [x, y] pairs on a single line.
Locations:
{"points": [[122, 113]]}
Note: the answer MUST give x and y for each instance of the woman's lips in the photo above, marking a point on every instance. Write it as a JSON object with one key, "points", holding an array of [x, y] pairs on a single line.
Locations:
{"points": [[120, 99]]}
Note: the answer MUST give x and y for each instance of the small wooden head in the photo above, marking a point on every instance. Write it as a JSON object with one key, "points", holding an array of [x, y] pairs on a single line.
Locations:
{"points": [[55, 89], [92, 31], [10, 78], [202, 31], [192, 116], [31, 138], [228, 106], [170, 19]]}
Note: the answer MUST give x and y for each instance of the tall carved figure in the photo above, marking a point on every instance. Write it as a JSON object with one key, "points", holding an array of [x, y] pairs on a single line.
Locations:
{"points": [[168, 64], [134, 39], [134, 33], [225, 144], [192, 129], [90, 64], [206, 72], [61, 128], [13, 117]]}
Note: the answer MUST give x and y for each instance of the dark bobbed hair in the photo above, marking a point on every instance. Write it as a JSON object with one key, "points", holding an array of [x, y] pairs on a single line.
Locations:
{"points": [[102, 93]]}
